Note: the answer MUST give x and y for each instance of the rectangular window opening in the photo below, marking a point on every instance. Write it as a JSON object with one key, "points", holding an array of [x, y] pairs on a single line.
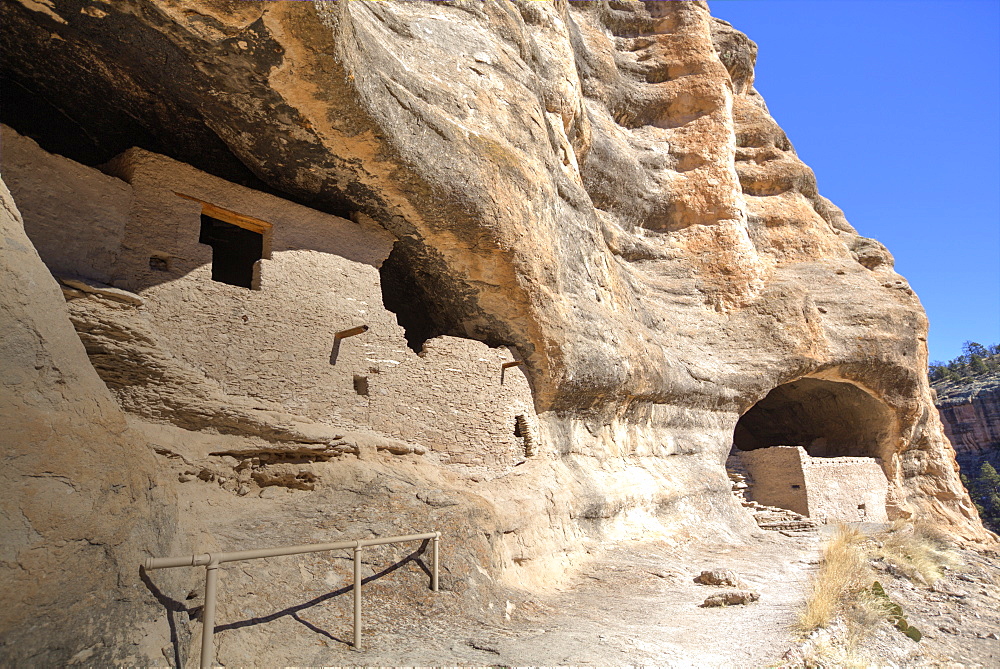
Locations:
{"points": [[235, 251], [239, 242]]}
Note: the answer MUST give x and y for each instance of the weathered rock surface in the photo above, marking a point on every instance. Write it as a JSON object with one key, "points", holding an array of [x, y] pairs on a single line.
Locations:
{"points": [[731, 598], [80, 503], [719, 577], [595, 184], [970, 414]]}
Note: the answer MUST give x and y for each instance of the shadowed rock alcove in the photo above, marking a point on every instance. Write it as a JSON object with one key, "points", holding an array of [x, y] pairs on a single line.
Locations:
{"points": [[827, 418]]}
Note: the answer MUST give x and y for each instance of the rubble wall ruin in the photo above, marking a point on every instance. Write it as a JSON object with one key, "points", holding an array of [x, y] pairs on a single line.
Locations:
{"points": [[827, 489], [275, 343]]}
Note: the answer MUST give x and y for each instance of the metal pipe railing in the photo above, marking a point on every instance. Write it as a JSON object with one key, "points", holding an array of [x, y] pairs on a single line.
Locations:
{"points": [[211, 562]]}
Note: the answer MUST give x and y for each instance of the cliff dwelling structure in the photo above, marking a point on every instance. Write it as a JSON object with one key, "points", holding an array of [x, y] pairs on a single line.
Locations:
{"points": [[274, 302], [522, 273], [818, 448]]}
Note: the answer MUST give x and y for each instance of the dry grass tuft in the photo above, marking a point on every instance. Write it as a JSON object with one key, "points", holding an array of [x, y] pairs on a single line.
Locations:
{"points": [[862, 613], [844, 592], [916, 551], [843, 572]]}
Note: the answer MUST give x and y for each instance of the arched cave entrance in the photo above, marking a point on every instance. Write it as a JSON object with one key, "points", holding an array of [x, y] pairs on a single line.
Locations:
{"points": [[414, 294], [840, 436], [827, 418]]}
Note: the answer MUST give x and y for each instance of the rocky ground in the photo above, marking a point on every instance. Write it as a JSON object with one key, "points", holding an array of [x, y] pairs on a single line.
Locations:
{"points": [[638, 603], [634, 604], [959, 615]]}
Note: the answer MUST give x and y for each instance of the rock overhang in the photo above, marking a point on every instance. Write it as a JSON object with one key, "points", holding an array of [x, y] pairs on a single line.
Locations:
{"points": [[597, 186]]}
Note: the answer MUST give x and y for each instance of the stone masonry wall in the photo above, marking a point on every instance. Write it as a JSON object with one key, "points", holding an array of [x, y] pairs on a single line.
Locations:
{"points": [[275, 344], [826, 489], [777, 477], [845, 489], [458, 396]]}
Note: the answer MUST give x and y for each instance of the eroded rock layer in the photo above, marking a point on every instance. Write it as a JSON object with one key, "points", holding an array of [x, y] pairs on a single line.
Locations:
{"points": [[971, 416], [603, 248], [74, 517]]}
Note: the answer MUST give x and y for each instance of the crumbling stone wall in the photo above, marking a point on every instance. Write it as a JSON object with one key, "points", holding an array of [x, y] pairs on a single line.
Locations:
{"points": [[276, 344], [826, 489]]}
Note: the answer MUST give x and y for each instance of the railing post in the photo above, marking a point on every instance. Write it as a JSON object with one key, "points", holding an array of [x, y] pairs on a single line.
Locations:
{"points": [[357, 597], [434, 558], [208, 615], [211, 563]]}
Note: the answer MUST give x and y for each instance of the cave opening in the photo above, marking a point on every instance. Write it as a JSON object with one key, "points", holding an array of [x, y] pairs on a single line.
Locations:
{"points": [[827, 418], [409, 292], [235, 251]]}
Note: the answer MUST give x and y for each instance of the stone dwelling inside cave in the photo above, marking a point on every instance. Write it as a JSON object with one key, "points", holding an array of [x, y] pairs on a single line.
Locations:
{"points": [[814, 446], [278, 306], [825, 489]]}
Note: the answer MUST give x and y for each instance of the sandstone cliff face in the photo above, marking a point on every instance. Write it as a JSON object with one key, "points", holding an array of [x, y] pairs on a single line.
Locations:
{"points": [[596, 185], [75, 517], [971, 416]]}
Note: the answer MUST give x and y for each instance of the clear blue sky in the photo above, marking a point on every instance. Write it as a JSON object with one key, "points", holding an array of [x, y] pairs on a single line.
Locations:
{"points": [[894, 104]]}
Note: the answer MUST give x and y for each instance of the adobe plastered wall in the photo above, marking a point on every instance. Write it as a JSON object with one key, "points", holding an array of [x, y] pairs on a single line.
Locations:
{"points": [[777, 478], [845, 489], [276, 344], [74, 215], [458, 397], [826, 489]]}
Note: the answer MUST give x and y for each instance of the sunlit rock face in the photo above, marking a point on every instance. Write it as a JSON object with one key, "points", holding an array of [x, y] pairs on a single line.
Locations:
{"points": [[596, 185], [81, 499], [971, 416]]}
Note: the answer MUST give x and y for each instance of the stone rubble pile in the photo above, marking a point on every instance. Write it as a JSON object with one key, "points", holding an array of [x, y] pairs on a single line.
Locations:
{"points": [[771, 517]]}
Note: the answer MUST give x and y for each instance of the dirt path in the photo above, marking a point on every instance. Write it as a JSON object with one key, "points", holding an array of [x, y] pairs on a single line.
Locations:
{"points": [[635, 605]]}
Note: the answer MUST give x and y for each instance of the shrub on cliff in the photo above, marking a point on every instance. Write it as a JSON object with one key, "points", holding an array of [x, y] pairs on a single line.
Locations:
{"points": [[975, 360], [984, 488]]}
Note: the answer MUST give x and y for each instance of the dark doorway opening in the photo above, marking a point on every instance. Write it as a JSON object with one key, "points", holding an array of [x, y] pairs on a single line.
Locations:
{"points": [[827, 418], [235, 250], [409, 292]]}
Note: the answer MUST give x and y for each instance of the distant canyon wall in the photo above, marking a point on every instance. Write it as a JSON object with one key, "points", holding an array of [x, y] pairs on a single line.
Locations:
{"points": [[971, 418]]}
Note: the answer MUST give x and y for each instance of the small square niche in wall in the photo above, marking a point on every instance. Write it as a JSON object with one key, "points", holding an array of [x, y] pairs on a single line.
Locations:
{"points": [[159, 262]]}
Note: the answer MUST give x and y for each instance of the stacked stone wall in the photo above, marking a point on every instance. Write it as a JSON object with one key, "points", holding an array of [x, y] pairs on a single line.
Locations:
{"points": [[777, 477], [277, 343], [845, 489]]}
